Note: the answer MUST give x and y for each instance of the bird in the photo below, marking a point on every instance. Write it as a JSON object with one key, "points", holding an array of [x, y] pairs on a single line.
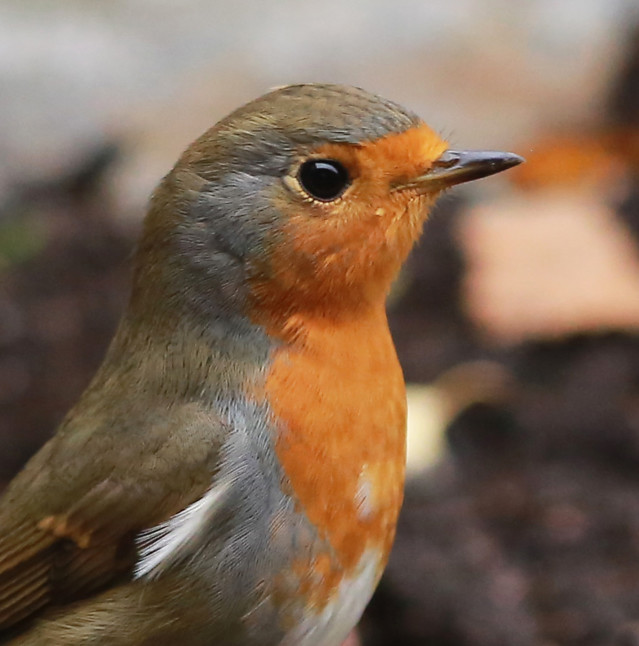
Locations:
{"points": [[233, 473]]}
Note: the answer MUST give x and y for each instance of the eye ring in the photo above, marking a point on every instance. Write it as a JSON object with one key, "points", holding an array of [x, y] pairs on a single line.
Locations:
{"points": [[324, 180]]}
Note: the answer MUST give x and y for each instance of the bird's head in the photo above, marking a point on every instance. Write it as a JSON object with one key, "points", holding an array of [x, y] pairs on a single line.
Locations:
{"points": [[307, 199]]}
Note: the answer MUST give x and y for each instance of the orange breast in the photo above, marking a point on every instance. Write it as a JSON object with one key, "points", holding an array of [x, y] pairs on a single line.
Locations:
{"points": [[338, 396]]}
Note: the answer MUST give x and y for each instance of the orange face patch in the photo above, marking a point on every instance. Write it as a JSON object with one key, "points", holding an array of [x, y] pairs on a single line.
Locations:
{"points": [[341, 254]]}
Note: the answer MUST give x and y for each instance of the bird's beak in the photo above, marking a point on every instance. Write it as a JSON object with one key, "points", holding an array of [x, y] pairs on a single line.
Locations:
{"points": [[458, 166]]}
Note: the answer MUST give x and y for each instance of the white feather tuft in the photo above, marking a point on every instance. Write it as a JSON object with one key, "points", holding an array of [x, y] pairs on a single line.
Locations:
{"points": [[163, 545]]}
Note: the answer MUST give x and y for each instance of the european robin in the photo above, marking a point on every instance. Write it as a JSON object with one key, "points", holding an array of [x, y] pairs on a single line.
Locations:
{"points": [[234, 472]]}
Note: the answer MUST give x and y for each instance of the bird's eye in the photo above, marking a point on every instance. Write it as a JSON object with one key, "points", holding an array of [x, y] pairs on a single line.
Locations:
{"points": [[323, 179]]}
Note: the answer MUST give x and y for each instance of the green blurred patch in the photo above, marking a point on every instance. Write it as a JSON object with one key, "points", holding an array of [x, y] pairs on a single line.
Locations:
{"points": [[21, 238]]}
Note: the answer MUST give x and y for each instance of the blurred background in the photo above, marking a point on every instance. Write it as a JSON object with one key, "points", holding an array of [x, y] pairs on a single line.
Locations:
{"points": [[516, 321]]}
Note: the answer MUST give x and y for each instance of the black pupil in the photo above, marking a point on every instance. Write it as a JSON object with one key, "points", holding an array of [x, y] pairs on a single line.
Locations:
{"points": [[323, 179]]}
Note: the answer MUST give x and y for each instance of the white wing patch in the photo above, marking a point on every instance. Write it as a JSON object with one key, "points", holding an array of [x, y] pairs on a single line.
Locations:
{"points": [[163, 545]]}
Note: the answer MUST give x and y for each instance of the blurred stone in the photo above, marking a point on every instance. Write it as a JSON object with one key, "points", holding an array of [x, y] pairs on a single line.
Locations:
{"points": [[547, 264]]}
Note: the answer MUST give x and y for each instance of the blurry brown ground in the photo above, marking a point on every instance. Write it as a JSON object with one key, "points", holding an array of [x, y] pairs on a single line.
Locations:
{"points": [[522, 311]]}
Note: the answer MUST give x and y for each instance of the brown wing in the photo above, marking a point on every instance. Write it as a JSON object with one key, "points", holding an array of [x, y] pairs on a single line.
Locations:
{"points": [[54, 561], [68, 522]]}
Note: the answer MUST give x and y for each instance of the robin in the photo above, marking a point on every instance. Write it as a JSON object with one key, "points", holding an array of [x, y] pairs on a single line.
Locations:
{"points": [[233, 474]]}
